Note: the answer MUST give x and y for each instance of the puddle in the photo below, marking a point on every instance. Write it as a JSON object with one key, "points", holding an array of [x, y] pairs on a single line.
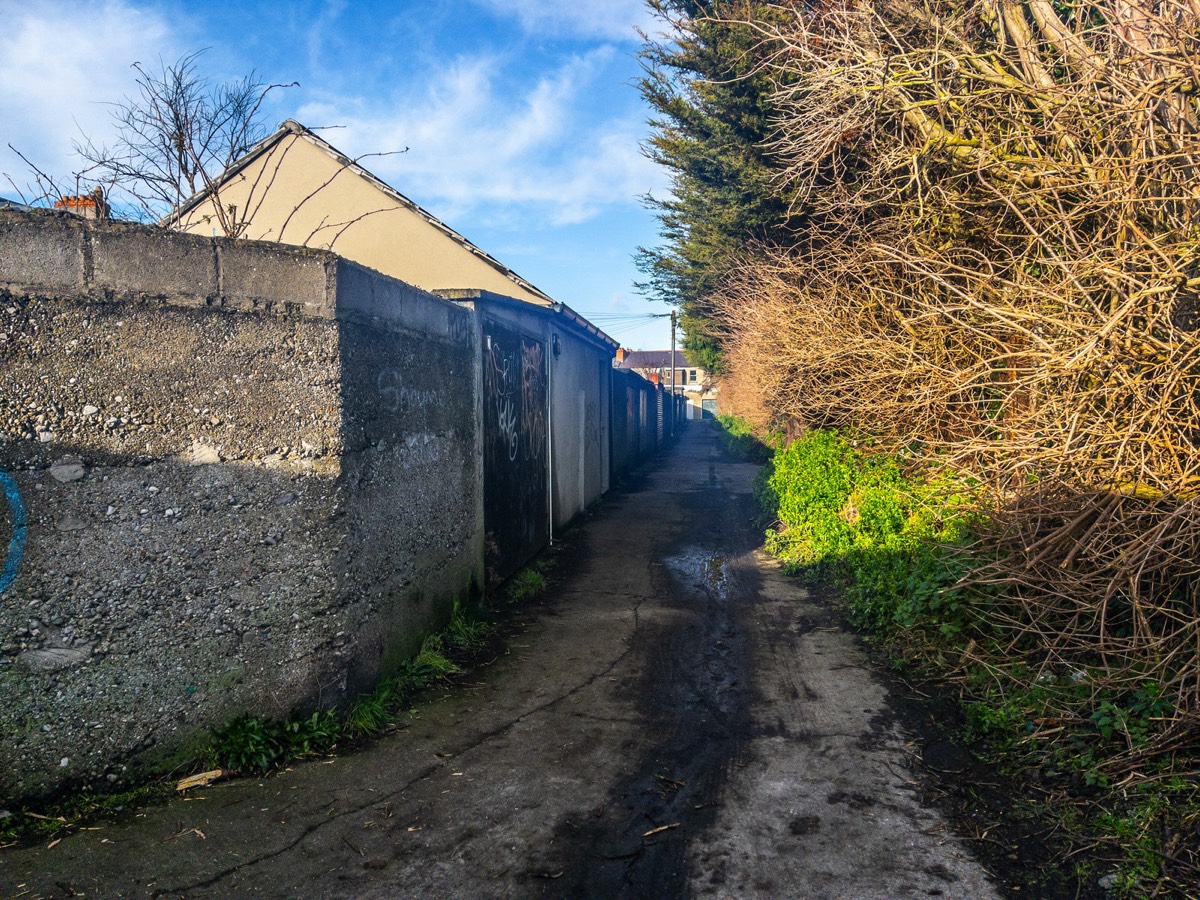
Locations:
{"points": [[701, 569]]}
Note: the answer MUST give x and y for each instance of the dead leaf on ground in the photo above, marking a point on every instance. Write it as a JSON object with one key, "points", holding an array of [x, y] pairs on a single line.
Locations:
{"points": [[204, 779], [47, 818], [183, 832]]}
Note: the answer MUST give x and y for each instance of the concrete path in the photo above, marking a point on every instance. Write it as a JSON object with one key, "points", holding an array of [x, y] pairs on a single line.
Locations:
{"points": [[678, 719]]}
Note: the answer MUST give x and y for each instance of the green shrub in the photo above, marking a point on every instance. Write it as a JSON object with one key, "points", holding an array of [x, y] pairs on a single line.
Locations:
{"points": [[841, 508], [810, 484]]}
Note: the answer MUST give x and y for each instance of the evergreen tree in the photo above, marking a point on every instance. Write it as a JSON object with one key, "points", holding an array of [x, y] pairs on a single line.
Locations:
{"points": [[713, 119]]}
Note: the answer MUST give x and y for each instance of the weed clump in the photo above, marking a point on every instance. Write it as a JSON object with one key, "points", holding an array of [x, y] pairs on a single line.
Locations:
{"points": [[254, 744], [65, 816], [526, 585]]}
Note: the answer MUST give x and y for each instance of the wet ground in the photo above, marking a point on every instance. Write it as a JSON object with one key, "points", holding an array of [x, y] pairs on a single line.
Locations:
{"points": [[676, 719]]}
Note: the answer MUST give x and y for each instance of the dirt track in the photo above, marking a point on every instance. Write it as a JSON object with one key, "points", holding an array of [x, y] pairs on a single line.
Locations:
{"points": [[678, 719]]}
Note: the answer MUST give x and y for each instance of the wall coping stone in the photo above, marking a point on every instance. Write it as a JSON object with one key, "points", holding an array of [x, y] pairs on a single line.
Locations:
{"points": [[50, 252]]}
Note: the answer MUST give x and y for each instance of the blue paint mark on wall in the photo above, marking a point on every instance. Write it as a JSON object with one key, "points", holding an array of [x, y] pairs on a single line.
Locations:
{"points": [[16, 544]]}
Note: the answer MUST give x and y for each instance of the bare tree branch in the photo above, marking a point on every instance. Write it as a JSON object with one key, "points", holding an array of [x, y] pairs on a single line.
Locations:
{"points": [[1000, 263], [177, 135]]}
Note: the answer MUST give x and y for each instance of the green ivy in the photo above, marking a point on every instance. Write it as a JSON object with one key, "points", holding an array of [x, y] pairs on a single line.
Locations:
{"points": [[741, 441]]}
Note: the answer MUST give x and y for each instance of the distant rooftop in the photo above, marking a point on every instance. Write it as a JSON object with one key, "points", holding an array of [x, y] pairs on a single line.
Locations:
{"points": [[653, 359]]}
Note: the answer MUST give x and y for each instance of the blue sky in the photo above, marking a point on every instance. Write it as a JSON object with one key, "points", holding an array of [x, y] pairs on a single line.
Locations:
{"points": [[521, 117]]}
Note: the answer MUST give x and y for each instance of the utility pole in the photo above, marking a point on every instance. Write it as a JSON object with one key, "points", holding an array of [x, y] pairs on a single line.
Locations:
{"points": [[673, 403]]}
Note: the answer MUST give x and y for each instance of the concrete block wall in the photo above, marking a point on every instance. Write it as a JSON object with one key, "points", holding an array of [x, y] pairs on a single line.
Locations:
{"points": [[238, 477], [636, 415]]}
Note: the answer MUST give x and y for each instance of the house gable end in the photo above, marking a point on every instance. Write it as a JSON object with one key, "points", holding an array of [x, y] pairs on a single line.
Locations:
{"points": [[296, 188]]}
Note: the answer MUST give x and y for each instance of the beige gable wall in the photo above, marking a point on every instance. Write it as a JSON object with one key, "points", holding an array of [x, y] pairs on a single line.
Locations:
{"points": [[348, 214]]}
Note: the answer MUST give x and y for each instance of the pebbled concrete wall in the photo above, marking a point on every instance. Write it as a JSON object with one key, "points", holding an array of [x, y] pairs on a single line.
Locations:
{"points": [[237, 477]]}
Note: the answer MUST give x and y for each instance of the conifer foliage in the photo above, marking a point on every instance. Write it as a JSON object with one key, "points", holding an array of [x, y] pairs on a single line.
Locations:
{"points": [[712, 98]]}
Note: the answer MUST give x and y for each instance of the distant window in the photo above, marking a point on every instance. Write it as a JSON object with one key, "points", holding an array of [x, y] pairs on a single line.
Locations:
{"points": [[691, 374]]}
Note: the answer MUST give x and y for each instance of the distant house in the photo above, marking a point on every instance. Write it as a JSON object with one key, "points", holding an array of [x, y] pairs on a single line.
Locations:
{"points": [[86, 206], [295, 188], [697, 384]]}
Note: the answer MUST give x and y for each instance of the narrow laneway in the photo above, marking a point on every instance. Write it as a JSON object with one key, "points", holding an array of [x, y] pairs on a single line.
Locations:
{"points": [[678, 719]]}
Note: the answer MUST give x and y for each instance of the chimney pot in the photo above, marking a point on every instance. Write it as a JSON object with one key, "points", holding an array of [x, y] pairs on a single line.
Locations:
{"points": [[87, 206]]}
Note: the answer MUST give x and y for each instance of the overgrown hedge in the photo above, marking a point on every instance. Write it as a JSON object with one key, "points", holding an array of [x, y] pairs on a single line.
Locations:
{"points": [[891, 530]]}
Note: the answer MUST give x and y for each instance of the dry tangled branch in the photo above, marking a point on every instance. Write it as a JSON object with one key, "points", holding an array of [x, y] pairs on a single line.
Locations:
{"points": [[1001, 263]]}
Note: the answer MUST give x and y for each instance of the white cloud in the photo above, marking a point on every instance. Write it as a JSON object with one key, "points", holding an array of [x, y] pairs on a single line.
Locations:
{"points": [[599, 19], [503, 139], [319, 31], [476, 145], [59, 63]]}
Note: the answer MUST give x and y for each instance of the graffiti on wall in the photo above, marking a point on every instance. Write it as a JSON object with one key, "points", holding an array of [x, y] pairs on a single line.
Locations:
{"points": [[500, 396], [397, 397], [514, 389], [461, 332], [515, 460], [533, 399], [418, 450], [16, 543]]}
